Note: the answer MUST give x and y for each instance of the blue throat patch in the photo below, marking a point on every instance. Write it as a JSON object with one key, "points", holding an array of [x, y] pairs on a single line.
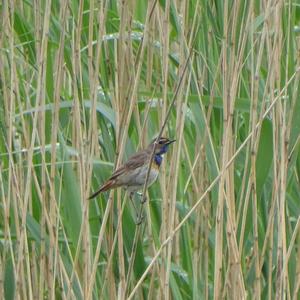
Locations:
{"points": [[158, 159], [158, 156]]}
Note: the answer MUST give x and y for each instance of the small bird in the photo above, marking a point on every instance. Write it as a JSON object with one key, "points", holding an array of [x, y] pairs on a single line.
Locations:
{"points": [[133, 173]]}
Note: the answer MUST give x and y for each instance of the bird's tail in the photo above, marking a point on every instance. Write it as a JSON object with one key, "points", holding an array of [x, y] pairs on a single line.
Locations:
{"points": [[107, 186]]}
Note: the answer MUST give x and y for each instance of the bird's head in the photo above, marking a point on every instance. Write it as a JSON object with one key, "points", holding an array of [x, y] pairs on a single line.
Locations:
{"points": [[162, 145]]}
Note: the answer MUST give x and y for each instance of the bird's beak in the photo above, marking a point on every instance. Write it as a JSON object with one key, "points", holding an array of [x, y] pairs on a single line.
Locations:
{"points": [[170, 142]]}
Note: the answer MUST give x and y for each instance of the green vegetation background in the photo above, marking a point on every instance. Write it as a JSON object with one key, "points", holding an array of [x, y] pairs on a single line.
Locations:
{"points": [[84, 84]]}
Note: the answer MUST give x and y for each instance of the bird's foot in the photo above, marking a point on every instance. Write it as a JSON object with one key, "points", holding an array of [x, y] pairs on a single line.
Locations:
{"points": [[144, 199], [139, 220]]}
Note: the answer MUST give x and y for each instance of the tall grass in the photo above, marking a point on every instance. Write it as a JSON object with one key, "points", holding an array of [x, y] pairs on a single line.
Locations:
{"points": [[84, 84]]}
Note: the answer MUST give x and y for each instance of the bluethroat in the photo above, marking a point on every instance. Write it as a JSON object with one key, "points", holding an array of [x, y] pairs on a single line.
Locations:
{"points": [[132, 174]]}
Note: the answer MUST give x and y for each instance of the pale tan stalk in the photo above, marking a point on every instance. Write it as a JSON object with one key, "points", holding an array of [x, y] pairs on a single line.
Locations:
{"points": [[80, 143], [172, 183], [41, 139], [53, 212], [92, 134], [164, 33], [123, 63], [224, 185], [12, 190]]}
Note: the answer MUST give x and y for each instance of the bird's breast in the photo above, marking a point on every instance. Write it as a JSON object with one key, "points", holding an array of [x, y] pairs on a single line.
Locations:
{"points": [[142, 174], [155, 166], [153, 174]]}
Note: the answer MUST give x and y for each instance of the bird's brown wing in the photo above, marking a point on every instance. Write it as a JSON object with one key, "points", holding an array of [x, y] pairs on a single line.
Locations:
{"points": [[135, 161]]}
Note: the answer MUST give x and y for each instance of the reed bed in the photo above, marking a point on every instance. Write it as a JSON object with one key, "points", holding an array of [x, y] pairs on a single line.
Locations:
{"points": [[84, 84]]}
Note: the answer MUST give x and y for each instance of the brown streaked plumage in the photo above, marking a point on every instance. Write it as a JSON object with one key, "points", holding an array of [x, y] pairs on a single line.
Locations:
{"points": [[133, 173]]}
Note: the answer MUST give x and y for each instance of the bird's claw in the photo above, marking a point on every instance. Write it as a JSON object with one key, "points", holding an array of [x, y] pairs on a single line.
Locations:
{"points": [[144, 199], [140, 219]]}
